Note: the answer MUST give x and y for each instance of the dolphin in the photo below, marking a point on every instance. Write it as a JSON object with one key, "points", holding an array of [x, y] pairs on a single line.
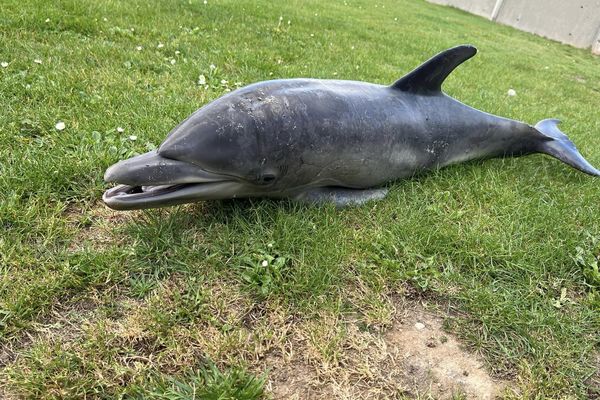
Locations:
{"points": [[319, 141]]}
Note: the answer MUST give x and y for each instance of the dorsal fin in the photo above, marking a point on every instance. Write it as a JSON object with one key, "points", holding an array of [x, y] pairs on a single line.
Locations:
{"points": [[429, 76]]}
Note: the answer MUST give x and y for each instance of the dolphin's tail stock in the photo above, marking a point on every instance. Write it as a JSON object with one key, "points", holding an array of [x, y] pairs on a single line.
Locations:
{"points": [[558, 145]]}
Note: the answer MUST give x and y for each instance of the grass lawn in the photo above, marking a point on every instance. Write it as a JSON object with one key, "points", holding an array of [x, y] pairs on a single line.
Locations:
{"points": [[174, 303]]}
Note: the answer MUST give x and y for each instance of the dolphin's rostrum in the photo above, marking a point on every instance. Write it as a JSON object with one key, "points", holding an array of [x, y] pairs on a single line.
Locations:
{"points": [[326, 140]]}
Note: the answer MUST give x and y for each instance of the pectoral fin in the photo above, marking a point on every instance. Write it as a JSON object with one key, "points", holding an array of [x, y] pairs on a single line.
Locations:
{"points": [[341, 197]]}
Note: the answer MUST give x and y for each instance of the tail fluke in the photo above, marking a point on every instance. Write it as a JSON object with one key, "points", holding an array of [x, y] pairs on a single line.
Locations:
{"points": [[559, 146]]}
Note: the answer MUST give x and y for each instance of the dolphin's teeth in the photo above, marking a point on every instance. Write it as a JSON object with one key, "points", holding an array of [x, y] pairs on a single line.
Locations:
{"points": [[133, 190], [154, 188]]}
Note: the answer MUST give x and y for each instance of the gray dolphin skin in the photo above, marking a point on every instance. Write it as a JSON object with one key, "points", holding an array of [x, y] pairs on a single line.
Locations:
{"points": [[320, 141]]}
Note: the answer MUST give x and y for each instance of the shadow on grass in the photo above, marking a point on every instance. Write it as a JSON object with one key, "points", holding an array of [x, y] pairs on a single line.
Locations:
{"points": [[270, 248]]}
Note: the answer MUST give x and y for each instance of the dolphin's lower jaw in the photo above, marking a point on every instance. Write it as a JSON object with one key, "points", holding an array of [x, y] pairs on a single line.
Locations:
{"points": [[128, 197]]}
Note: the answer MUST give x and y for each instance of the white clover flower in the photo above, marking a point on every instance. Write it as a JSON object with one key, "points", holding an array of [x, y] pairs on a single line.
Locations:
{"points": [[104, 19], [212, 67], [3, 64], [59, 126], [160, 46], [139, 48], [264, 263], [511, 92], [37, 61], [205, 2], [177, 52], [270, 245], [47, 20], [201, 80], [120, 130], [173, 61], [132, 138]]}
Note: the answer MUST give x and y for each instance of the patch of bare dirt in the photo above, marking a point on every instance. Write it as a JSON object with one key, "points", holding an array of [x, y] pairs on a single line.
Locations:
{"points": [[593, 382], [63, 323], [435, 360], [298, 383], [413, 358], [94, 226]]}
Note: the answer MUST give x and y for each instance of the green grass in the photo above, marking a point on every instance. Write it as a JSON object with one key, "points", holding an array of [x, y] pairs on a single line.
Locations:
{"points": [[162, 302]]}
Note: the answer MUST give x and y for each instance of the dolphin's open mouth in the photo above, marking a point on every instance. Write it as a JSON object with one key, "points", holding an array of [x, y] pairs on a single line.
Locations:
{"points": [[138, 192], [128, 197], [151, 180]]}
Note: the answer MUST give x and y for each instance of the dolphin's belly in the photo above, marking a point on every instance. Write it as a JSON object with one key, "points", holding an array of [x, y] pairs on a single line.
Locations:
{"points": [[363, 170]]}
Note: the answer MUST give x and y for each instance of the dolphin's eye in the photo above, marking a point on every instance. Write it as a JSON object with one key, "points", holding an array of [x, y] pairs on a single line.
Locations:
{"points": [[266, 178]]}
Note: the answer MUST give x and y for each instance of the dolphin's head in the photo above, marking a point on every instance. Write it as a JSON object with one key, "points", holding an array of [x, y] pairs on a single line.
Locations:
{"points": [[151, 180], [217, 153]]}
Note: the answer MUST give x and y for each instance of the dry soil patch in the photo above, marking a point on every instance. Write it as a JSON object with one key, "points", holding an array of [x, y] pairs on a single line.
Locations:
{"points": [[95, 226], [414, 358]]}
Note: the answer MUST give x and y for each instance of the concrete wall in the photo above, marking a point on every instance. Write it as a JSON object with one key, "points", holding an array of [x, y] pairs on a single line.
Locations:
{"points": [[483, 8], [575, 22]]}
